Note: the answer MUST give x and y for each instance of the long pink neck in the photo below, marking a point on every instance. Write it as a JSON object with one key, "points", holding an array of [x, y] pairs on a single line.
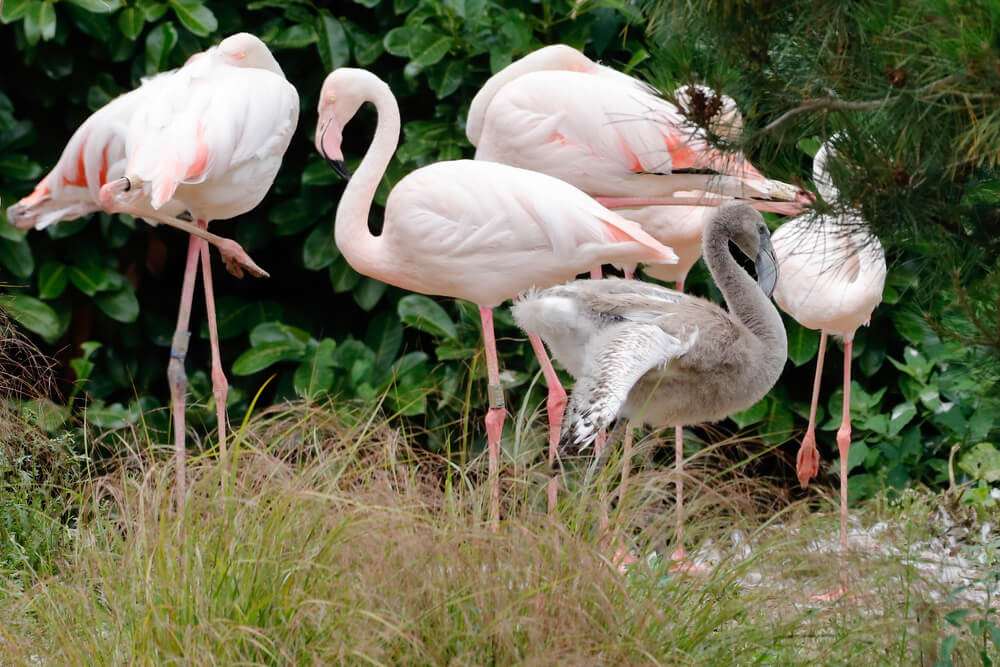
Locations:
{"points": [[362, 250]]}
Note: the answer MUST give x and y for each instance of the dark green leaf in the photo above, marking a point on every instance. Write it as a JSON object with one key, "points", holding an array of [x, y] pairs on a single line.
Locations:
{"points": [[334, 49], [120, 305], [425, 314], [802, 342], [368, 292], [159, 43], [97, 6], [17, 167], [385, 337], [195, 16], [8, 231], [314, 376], [295, 37], [319, 251], [278, 332], [52, 279], [13, 10], [236, 316], [47, 20], [33, 315], [366, 46], [434, 52], [153, 10], [266, 354], [446, 79], [16, 257], [291, 217], [89, 278], [755, 413], [319, 173], [342, 277], [130, 22]]}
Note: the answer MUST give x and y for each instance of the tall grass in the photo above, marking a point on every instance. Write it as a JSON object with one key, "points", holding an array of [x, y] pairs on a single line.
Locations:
{"points": [[323, 538]]}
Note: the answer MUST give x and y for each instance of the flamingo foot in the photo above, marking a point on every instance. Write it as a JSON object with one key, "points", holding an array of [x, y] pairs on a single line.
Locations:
{"points": [[683, 565], [832, 596], [623, 559], [807, 460], [237, 260]]}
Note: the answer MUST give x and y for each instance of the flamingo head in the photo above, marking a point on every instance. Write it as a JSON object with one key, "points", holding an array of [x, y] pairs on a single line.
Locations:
{"points": [[341, 96], [42, 207], [746, 228], [246, 50]]}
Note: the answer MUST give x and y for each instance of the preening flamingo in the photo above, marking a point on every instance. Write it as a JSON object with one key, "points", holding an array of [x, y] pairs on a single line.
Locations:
{"points": [[832, 276], [467, 229], [558, 112], [207, 140], [654, 355]]}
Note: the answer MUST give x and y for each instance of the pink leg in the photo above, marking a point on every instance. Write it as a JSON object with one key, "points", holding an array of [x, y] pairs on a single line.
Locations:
{"points": [[680, 553], [495, 417], [844, 447], [807, 460], [233, 256], [175, 368], [556, 407], [220, 387]]}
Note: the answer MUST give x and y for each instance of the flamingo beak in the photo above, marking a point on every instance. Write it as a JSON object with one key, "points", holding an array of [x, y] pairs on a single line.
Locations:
{"points": [[329, 136], [766, 265]]}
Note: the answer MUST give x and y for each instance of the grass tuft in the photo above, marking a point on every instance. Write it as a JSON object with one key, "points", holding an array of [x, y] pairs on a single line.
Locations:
{"points": [[324, 538]]}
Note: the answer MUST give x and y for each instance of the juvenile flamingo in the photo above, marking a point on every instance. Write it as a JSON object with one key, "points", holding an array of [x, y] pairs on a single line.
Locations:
{"points": [[209, 141], [832, 276], [467, 229], [647, 353]]}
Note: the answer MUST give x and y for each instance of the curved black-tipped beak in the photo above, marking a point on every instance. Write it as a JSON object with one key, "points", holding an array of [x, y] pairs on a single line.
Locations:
{"points": [[766, 265], [340, 168]]}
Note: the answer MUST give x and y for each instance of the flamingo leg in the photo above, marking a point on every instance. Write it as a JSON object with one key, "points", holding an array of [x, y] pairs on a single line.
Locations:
{"points": [[175, 368], [680, 553], [233, 255], [807, 460], [495, 416], [556, 408], [844, 447], [220, 387]]}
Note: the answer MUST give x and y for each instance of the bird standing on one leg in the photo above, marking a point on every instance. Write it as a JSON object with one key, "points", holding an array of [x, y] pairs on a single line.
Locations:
{"points": [[832, 275], [209, 141], [467, 229], [657, 356]]}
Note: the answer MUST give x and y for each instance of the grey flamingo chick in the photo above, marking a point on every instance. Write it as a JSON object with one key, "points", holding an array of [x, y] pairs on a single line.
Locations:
{"points": [[661, 357]]}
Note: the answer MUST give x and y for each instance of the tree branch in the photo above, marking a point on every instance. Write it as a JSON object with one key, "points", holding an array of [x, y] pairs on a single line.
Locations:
{"points": [[831, 103]]}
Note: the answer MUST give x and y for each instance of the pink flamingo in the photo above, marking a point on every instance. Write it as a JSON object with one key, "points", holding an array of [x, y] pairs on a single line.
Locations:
{"points": [[208, 140], [558, 112], [467, 229], [831, 278]]}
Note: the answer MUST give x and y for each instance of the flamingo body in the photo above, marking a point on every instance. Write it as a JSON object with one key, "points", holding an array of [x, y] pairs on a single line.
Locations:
{"points": [[212, 136], [467, 229], [557, 112], [832, 272], [512, 228]]}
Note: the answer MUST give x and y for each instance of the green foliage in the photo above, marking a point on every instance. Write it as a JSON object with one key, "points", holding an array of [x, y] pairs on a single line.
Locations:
{"points": [[109, 280], [104, 288]]}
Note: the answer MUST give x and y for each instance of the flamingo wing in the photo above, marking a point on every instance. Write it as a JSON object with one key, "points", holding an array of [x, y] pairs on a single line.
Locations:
{"points": [[616, 360], [210, 118]]}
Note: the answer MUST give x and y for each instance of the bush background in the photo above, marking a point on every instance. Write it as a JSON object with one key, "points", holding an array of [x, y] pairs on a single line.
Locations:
{"points": [[101, 293]]}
